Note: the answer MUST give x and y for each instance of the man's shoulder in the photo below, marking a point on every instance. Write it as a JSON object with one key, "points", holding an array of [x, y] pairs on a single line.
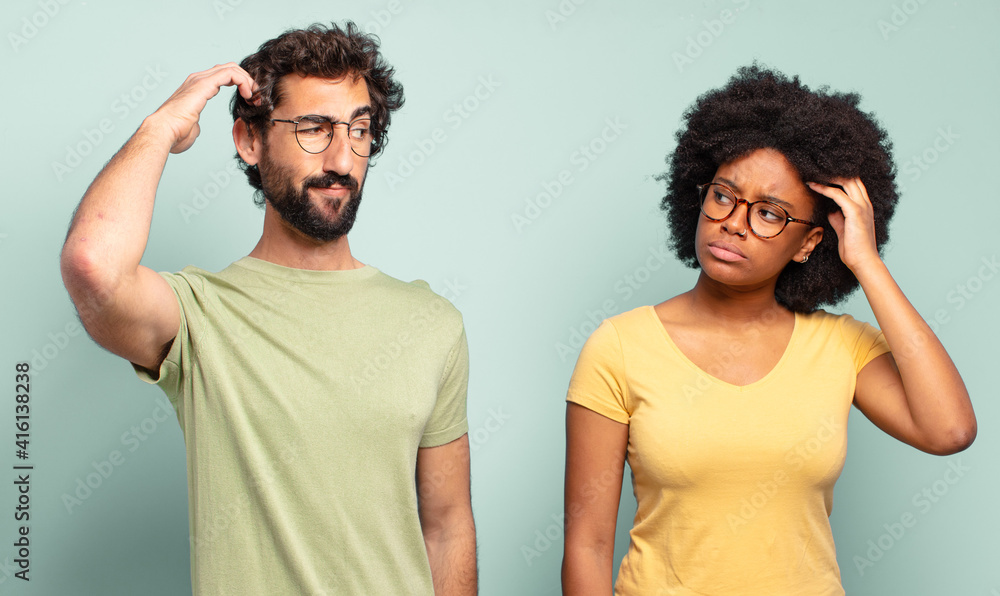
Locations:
{"points": [[417, 289], [195, 279], [415, 296]]}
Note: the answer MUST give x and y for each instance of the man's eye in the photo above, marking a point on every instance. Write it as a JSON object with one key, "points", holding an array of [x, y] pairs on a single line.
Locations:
{"points": [[313, 127], [360, 132]]}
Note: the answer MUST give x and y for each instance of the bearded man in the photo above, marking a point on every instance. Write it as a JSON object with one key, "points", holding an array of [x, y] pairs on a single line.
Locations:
{"points": [[323, 402]]}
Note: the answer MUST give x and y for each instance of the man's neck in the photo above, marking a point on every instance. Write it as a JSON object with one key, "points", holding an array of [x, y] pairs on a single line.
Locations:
{"points": [[282, 244]]}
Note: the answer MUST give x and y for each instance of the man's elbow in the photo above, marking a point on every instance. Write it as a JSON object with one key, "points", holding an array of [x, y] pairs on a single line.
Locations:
{"points": [[90, 286], [445, 523]]}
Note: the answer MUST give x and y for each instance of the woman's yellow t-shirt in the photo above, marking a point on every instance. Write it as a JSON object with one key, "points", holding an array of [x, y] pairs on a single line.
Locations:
{"points": [[734, 484]]}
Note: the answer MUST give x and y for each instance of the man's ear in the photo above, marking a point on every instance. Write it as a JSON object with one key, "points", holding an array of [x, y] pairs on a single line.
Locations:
{"points": [[248, 144]]}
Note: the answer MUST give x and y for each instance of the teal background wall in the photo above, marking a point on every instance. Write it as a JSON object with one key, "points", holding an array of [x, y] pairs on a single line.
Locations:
{"points": [[500, 100]]}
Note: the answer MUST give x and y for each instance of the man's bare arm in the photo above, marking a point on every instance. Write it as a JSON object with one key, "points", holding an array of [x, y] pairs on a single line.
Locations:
{"points": [[446, 517], [128, 308]]}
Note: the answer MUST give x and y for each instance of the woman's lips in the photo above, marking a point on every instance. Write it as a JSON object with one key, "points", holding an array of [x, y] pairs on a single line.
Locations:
{"points": [[726, 252]]}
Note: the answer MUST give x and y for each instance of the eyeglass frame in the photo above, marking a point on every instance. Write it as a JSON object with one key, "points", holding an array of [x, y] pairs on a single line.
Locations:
{"points": [[333, 123], [749, 205]]}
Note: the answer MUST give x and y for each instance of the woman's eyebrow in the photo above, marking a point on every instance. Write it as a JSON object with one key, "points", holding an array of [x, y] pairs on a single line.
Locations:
{"points": [[778, 201], [727, 182], [769, 198]]}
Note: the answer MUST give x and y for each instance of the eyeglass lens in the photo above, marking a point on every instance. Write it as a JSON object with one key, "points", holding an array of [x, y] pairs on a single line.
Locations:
{"points": [[766, 219], [314, 134]]}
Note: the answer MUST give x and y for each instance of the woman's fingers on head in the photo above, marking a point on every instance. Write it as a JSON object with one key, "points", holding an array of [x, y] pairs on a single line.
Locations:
{"points": [[835, 193], [843, 191]]}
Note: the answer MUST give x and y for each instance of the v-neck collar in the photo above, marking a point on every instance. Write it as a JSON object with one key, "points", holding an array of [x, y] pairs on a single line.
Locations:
{"points": [[740, 388]]}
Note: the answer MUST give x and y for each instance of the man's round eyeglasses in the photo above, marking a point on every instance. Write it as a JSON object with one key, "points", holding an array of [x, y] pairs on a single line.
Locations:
{"points": [[314, 133], [764, 218]]}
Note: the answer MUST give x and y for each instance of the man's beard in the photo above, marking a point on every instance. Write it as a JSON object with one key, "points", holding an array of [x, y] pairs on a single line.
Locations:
{"points": [[294, 205]]}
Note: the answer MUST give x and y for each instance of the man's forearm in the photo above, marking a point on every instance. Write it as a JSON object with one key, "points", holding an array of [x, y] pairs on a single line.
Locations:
{"points": [[111, 225], [452, 555]]}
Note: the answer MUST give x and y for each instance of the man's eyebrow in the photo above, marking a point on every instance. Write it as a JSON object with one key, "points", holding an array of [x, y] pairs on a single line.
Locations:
{"points": [[360, 111]]}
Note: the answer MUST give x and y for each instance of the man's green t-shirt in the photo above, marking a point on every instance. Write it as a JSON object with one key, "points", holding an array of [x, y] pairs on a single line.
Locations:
{"points": [[303, 397]]}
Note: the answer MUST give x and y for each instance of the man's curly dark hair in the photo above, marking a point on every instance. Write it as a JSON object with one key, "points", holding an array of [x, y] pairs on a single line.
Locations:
{"points": [[319, 51], [822, 133]]}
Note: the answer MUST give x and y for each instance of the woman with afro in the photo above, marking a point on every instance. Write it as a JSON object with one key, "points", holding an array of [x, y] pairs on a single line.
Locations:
{"points": [[731, 401]]}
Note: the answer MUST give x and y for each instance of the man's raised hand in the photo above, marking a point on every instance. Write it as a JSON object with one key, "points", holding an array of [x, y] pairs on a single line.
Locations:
{"points": [[178, 116]]}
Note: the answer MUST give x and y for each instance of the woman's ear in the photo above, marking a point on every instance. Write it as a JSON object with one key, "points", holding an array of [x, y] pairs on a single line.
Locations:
{"points": [[813, 238], [248, 144]]}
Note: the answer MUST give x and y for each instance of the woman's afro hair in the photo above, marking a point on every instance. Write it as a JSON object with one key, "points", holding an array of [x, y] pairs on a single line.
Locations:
{"points": [[823, 135]]}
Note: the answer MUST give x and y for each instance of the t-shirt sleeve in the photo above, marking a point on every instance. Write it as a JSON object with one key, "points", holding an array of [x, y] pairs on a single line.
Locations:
{"points": [[170, 374], [449, 419], [598, 381], [865, 341]]}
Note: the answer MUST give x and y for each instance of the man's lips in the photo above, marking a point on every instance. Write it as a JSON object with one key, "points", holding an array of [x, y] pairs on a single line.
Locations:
{"points": [[333, 197], [333, 192], [725, 251]]}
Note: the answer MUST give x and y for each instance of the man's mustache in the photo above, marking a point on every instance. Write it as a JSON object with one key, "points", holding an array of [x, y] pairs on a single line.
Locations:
{"points": [[333, 179]]}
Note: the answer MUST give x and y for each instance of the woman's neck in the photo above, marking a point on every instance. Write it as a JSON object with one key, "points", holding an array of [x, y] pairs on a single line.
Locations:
{"points": [[718, 301]]}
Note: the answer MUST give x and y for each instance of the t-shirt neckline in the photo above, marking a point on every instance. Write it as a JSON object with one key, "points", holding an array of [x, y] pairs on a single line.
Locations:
{"points": [[796, 326], [292, 274]]}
